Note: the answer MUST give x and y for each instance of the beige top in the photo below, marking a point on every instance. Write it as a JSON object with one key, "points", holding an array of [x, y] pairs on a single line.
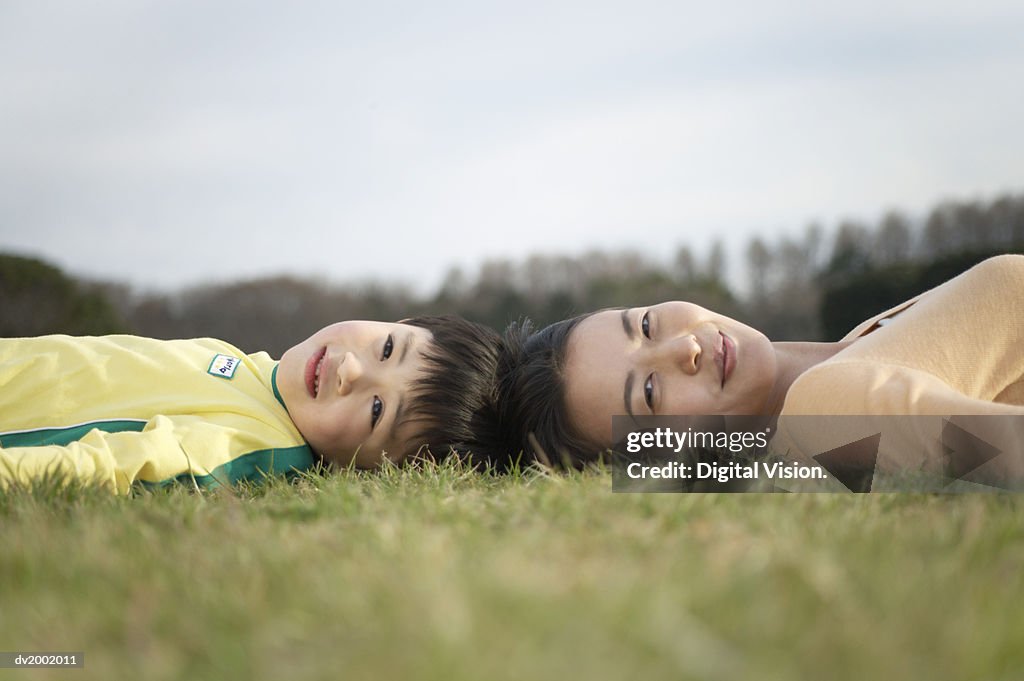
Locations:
{"points": [[954, 351]]}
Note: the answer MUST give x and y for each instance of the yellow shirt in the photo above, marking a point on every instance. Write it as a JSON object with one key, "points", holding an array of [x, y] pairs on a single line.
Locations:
{"points": [[127, 410]]}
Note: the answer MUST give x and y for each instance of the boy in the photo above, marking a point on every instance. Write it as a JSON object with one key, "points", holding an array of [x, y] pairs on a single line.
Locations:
{"points": [[125, 410]]}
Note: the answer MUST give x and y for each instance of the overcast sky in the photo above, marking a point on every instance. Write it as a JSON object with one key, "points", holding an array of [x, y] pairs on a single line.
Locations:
{"points": [[168, 143]]}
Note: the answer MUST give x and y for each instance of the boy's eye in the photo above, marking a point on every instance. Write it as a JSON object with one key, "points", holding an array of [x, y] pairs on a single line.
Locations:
{"points": [[645, 324], [649, 392], [375, 411], [389, 346]]}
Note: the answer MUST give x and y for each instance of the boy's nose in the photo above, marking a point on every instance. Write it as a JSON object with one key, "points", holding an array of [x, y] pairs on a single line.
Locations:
{"points": [[349, 371]]}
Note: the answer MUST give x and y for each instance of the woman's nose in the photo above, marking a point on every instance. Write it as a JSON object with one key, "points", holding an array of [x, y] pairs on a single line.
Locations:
{"points": [[349, 371], [682, 352]]}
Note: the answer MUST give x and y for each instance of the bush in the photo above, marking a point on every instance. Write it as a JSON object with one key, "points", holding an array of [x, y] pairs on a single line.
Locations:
{"points": [[37, 298]]}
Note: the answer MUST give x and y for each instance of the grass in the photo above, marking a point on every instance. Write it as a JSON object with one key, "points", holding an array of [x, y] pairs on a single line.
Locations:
{"points": [[442, 573]]}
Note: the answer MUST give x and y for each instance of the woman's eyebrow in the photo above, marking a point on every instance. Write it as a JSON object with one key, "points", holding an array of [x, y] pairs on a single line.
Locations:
{"points": [[627, 326], [627, 393]]}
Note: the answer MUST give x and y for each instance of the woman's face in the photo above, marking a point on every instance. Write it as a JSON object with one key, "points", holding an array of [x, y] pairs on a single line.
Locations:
{"points": [[675, 358]]}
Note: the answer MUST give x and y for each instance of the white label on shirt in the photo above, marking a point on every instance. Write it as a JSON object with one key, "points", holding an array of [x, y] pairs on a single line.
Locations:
{"points": [[223, 366]]}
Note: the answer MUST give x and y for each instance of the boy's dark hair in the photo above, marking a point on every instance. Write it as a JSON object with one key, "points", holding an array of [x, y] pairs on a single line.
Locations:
{"points": [[455, 404], [531, 387]]}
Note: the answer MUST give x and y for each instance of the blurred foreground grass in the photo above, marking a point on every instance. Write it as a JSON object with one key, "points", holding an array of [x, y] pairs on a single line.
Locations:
{"points": [[440, 573]]}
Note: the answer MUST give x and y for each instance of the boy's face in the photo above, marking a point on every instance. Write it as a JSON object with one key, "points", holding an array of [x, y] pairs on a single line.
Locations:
{"points": [[345, 388]]}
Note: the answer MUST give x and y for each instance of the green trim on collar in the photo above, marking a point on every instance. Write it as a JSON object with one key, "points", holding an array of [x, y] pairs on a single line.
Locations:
{"points": [[273, 384]]}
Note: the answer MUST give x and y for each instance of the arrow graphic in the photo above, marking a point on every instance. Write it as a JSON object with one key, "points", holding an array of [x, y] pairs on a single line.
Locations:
{"points": [[853, 464]]}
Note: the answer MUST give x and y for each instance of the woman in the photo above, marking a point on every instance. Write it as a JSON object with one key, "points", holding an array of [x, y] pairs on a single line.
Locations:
{"points": [[957, 349]]}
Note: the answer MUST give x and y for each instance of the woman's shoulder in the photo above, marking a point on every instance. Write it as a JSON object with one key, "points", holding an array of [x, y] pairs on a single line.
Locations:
{"points": [[992, 276], [832, 387], [999, 277], [856, 385], [1000, 270], [992, 290]]}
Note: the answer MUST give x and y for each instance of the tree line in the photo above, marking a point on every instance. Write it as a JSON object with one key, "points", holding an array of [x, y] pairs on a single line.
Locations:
{"points": [[813, 286]]}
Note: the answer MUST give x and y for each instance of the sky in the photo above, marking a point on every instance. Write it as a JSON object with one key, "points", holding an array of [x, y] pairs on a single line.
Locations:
{"points": [[170, 143]]}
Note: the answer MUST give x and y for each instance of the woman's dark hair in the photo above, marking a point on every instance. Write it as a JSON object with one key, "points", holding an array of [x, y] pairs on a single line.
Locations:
{"points": [[454, 405], [533, 408], [531, 387]]}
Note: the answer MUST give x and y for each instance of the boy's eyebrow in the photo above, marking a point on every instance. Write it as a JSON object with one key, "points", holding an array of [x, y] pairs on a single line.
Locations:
{"points": [[397, 420], [405, 347]]}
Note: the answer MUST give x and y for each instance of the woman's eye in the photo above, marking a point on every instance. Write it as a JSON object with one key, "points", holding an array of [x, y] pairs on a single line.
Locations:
{"points": [[375, 411], [645, 324], [649, 392], [389, 345]]}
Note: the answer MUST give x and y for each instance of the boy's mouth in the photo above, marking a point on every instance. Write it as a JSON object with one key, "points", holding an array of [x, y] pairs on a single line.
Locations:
{"points": [[313, 367]]}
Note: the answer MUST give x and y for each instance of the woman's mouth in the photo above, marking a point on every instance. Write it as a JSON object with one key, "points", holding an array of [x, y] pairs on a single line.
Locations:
{"points": [[728, 358], [313, 367]]}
